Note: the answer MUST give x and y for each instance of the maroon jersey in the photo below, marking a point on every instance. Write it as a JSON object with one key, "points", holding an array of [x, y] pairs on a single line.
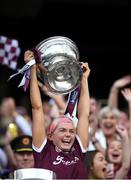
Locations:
{"points": [[66, 165]]}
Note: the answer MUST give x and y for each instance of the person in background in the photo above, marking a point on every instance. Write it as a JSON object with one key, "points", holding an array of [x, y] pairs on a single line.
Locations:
{"points": [[108, 119], [115, 89], [23, 152], [96, 136], [98, 166], [117, 163], [118, 153], [9, 115], [127, 95], [95, 106], [59, 100], [124, 120], [113, 99], [64, 153], [20, 154]]}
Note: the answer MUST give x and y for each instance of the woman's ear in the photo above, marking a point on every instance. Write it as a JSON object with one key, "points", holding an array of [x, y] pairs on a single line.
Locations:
{"points": [[49, 136]]}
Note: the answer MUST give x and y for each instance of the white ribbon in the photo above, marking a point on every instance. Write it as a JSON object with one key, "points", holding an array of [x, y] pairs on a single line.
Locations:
{"points": [[26, 71], [73, 118]]}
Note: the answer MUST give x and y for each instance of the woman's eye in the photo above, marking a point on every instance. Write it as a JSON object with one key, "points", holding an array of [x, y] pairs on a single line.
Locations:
{"points": [[72, 132], [62, 130], [120, 148], [100, 159], [111, 147]]}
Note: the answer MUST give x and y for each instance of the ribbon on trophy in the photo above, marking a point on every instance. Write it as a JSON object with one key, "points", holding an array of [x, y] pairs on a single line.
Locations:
{"points": [[72, 105], [26, 70]]}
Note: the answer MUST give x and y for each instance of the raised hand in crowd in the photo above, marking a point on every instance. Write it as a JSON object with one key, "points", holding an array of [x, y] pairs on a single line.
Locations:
{"points": [[114, 91], [125, 166], [12, 125], [59, 99], [118, 153], [127, 95], [53, 107]]}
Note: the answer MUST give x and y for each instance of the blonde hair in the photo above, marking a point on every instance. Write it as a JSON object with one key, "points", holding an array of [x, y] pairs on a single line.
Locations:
{"points": [[107, 109]]}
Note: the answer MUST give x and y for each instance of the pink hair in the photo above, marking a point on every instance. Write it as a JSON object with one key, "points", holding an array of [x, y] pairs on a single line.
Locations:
{"points": [[57, 122]]}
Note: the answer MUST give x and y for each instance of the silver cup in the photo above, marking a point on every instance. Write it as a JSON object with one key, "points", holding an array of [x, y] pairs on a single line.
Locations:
{"points": [[34, 174], [59, 68]]}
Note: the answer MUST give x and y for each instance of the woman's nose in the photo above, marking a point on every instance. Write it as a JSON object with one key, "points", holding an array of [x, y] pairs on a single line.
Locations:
{"points": [[68, 133]]}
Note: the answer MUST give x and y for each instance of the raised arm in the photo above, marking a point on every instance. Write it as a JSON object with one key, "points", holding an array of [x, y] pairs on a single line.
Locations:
{"points": [[122, 172], [83, 107], [38, 124], [127, 95], [114, 91], [59, 99]]}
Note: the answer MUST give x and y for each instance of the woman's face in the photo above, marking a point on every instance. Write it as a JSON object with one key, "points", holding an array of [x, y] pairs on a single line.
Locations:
{"points": [[99, 166], [108, 124], [64, 136], [115, 152], [93, 121], [123, 120], [94, 106]]}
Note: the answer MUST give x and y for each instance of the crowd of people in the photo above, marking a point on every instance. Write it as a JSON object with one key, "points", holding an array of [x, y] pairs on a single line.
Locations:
{"points": [[97, 147]]}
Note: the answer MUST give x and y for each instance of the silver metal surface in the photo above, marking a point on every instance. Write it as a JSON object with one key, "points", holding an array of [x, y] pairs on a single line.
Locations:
{"points": [[34, 174], [59, 69]]}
